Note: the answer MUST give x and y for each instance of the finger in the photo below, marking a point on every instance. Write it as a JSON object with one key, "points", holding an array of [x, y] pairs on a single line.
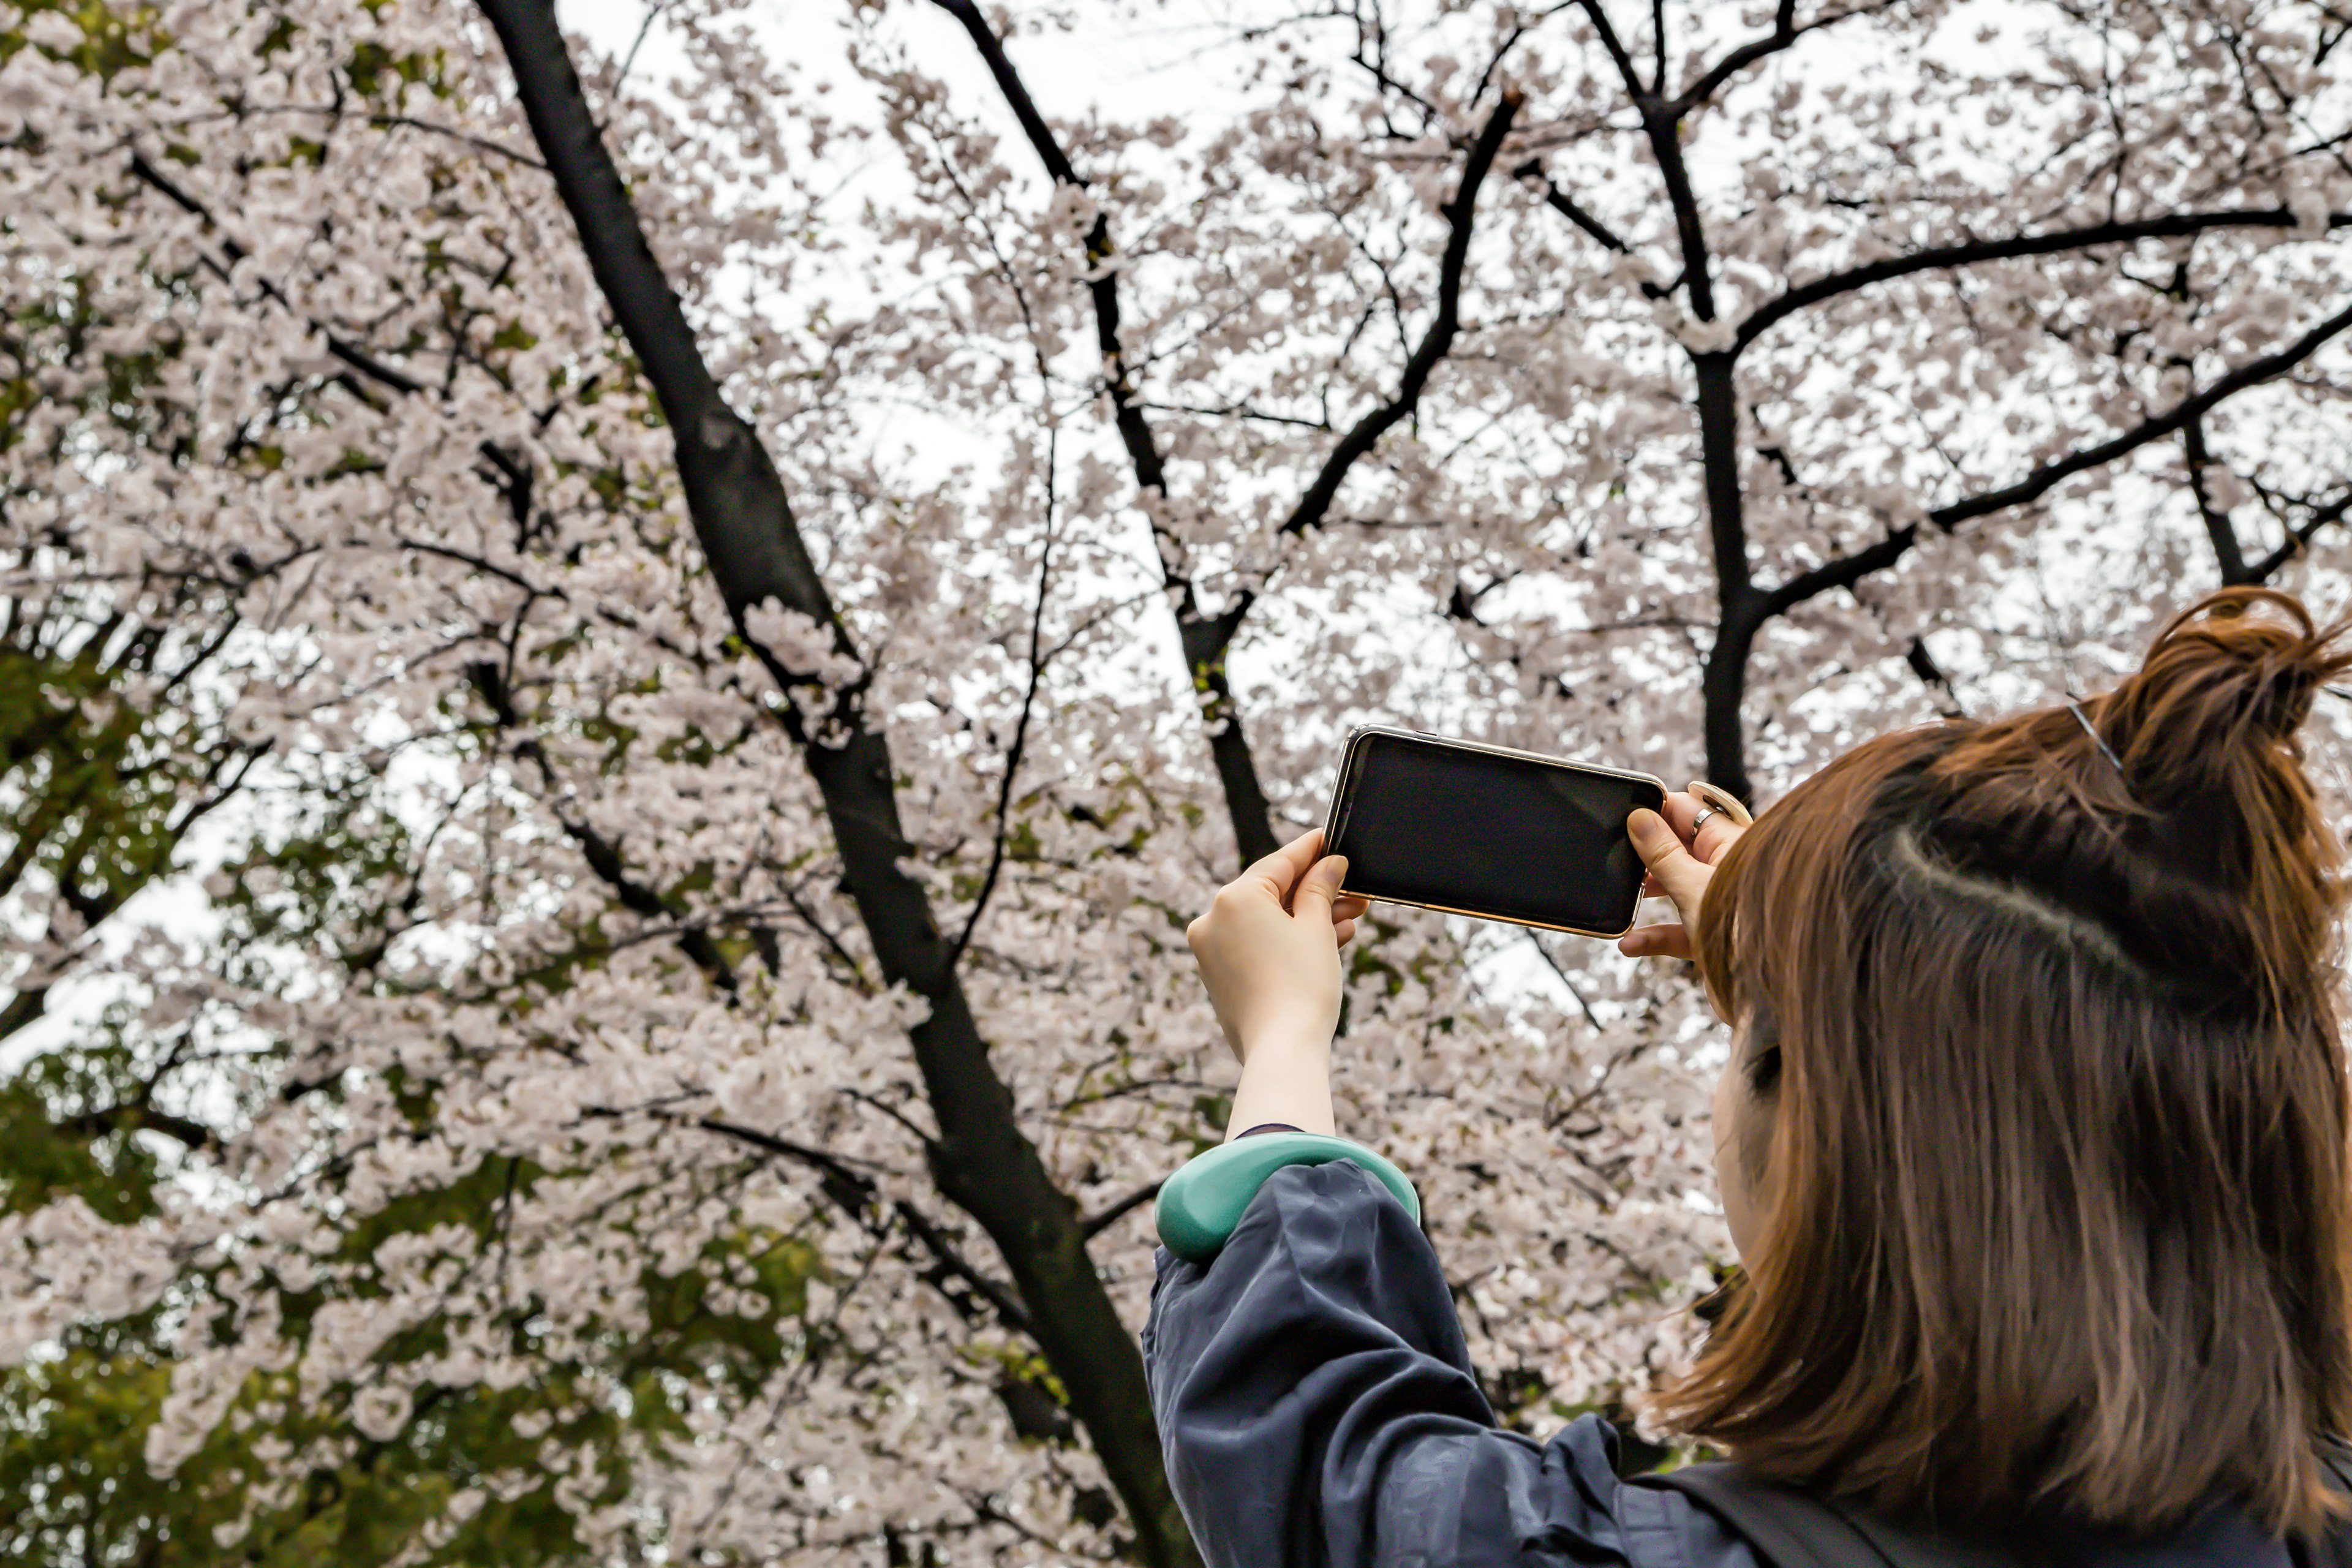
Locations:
{"points": [[1318, 891], [1656, 941], [1722, 800], [1281, 870], [1345, 932], [1349, 907], [1680, 810], [1683, 878], [1705, 840], [1714, 836], [1720, 830]]}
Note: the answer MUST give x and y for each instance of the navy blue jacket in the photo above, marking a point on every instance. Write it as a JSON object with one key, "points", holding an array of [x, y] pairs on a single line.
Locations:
{"points": [[1317, 1410]]}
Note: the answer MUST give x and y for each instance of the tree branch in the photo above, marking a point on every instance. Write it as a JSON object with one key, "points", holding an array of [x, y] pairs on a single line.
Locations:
{"points": [[603, 855], [1843, 571], [2228, 554], [1785, 33], [26, 1008], [1607, 31], [854, 1195], [1560, 202], [378, 120], [1095, 1225], [1661, 122], [1008, 1309], [350, 353], [2009, 248], [1932, 676], [2300, 538], [2043, 479], [191, 1135], [1847, 570], [1435, 344], [1208, 639], [1012, 754]]}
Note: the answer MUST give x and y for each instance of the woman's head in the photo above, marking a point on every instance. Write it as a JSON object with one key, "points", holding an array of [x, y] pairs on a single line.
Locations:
{"points": [[2053, 1113]]}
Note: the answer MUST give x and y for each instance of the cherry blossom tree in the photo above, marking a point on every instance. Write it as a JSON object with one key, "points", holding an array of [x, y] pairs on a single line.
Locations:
{"points": [[619, 688]]}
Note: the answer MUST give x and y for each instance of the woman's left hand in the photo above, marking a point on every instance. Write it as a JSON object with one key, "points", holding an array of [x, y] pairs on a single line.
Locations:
{"points": [[1681, 853]]}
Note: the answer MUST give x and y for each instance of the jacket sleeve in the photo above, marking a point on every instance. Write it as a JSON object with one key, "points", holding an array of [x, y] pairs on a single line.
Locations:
{"points": [[1316, 1403]]}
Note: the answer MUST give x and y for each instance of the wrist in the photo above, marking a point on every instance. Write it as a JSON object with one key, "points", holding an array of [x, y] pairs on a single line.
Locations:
{"points": [[1291, 1085], [1298, 1039]]}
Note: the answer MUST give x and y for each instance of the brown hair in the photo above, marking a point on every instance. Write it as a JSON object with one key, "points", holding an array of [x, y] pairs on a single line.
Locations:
{"points": [[2056, 1216]]}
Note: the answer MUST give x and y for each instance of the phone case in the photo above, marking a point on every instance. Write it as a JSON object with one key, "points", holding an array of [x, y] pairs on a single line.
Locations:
{"points": [[1341, 799]]}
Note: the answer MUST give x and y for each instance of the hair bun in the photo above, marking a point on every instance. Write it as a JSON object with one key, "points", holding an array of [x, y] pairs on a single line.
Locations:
{"points": [[2228, 862], [2233, 674]]}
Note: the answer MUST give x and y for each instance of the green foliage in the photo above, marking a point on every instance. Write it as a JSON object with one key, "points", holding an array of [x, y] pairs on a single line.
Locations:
{"points": [[95, 790], [71, 1116], [73, 1425], [114, 38]]}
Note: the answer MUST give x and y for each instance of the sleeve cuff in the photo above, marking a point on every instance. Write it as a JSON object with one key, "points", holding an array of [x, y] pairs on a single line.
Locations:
{"points": [[1200, 1204]]}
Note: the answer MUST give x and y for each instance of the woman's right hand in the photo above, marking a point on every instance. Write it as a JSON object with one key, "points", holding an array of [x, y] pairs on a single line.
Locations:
{"points": [[1269, 952], [1681, 853], [1269, 947]]}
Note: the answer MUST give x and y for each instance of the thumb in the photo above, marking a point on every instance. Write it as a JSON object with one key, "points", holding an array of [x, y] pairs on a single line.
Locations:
{"points": [[1318, 890], [1678, 872]]}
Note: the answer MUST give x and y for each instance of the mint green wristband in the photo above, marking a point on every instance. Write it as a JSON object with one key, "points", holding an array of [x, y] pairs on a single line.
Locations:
{"points": [[1200, 1204]]}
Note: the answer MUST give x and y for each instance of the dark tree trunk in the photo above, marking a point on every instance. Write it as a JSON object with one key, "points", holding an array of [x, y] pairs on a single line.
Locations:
{"points": [[1205, 642], [981, 1161], [1724, 684], [2228, 553]]}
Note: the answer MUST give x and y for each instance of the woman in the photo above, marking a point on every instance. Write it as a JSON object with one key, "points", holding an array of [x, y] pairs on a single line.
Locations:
{"points": [[2032, 1145]]}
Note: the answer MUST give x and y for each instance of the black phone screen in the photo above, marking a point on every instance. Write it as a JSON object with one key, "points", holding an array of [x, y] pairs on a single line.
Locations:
{"points": [[1429, 822]]}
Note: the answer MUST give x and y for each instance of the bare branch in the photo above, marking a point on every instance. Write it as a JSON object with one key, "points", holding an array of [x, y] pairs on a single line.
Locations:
{"points": [[1847, 570], [1560, 202], [2300, 538], [1098, 1223], [1037, 661], [2228, 554], [2009, 248], [1785, 33], [1435, 344]]}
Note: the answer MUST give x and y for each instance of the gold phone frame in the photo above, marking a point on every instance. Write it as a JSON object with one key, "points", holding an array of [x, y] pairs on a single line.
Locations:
{"points": [[1356, 739]]}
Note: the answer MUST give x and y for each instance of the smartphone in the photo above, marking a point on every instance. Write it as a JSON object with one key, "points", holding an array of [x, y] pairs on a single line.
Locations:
{"points": [[1481, 830]]}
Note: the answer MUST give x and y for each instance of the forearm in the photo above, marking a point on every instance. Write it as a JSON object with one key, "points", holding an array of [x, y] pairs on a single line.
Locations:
{"points": [[1286, 1081]]}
